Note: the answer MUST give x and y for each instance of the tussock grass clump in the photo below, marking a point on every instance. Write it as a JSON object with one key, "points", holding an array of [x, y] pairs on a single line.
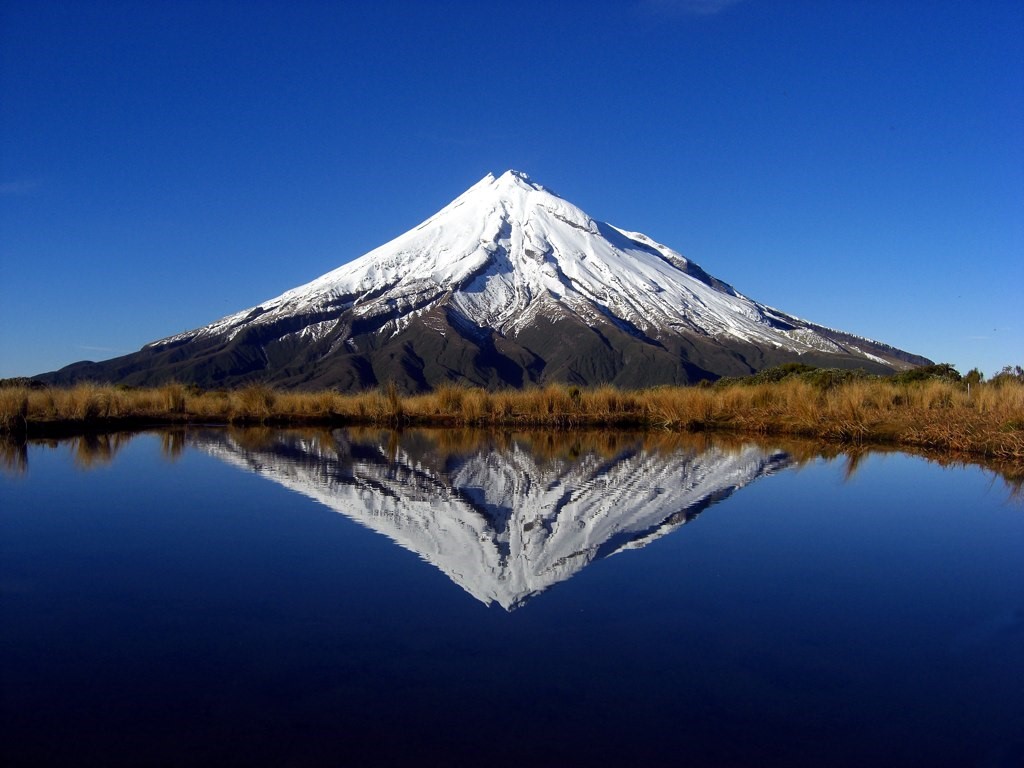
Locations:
{"points": [[14, 409], [174, 397], [252, 403], [212, 406], [448, 398]]}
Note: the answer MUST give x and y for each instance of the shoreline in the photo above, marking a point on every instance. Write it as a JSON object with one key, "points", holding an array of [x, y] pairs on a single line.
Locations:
{"points": [[987, 421], [109, 433]]}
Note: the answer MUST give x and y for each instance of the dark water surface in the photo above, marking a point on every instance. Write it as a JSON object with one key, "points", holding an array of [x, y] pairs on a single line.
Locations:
{"points": [[337, 598]]}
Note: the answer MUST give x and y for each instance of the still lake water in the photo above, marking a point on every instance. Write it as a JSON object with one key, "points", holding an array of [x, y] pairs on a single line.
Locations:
{"points": [[260, 597]]}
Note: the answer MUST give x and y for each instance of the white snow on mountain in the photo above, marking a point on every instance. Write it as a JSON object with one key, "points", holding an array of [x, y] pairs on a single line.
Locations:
{"points": [[508, 250]]}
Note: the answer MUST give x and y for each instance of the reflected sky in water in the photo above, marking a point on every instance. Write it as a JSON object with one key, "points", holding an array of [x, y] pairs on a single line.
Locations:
{"points": [[312, 597]]}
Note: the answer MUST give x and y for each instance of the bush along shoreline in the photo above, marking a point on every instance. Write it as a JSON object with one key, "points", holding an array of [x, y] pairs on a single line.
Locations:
{"points": [[932, 407]]}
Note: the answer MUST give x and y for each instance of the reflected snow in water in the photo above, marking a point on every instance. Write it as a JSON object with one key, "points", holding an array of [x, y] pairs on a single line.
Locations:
{"points": [[504, 524]]}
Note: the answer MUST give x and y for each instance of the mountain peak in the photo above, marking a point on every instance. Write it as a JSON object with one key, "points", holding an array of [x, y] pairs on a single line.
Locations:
{"points": [[513, 175], [512, 179], [509, 284]]}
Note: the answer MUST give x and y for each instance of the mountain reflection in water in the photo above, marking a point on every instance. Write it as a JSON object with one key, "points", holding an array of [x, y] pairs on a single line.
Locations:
{"points": [[504, 518], [158, 606]]}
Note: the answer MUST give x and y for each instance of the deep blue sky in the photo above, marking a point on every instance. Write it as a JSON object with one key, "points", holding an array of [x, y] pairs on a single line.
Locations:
{"points": [[858, 164]]}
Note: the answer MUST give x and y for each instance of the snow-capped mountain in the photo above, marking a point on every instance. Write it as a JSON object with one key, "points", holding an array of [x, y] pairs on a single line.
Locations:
{"points": [[508, 284], [504, 524]]}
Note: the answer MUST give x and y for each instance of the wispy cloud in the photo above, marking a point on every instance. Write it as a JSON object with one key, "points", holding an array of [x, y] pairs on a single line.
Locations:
{"points": [[22, 187], [689, 7]]}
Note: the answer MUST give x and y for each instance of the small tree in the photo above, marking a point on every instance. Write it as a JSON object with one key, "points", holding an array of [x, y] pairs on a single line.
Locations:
{"points": [[1008, 374], [943, 371]]}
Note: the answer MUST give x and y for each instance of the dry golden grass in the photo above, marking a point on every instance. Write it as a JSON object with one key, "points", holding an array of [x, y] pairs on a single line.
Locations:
{"points": [[931, 414], [13, 408]]}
